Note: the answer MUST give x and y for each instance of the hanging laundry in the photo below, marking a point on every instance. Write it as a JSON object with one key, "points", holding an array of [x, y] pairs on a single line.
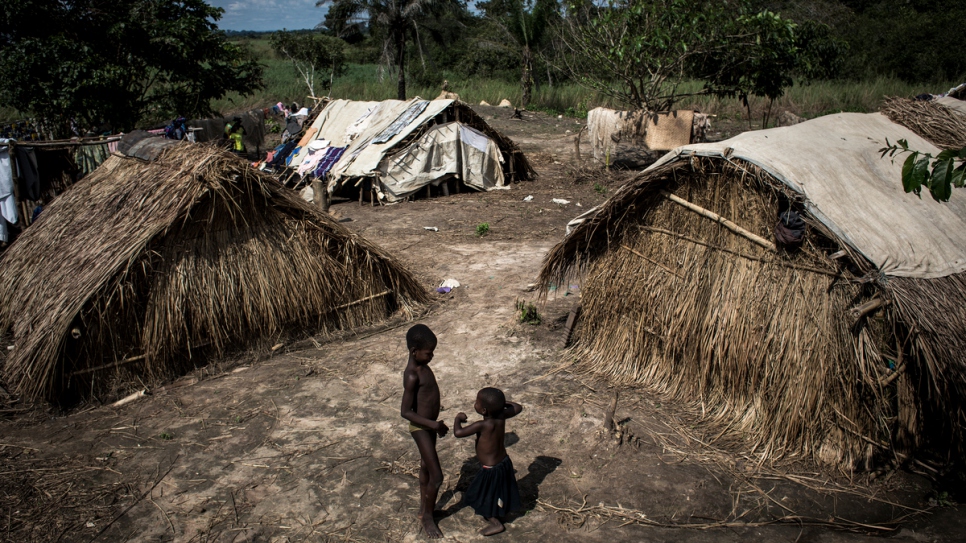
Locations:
{"points": [[311, 161], [29, 173], [89, 157], [332, 155], [8, 204]]}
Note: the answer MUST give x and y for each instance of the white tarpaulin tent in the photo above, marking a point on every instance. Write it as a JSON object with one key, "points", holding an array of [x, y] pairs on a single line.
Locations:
{"points": [[444, 151], [403, 146], [835, 162]]}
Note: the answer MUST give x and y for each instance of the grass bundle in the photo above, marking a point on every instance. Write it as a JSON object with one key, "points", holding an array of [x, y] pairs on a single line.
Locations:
{"points": [[783, 353], [941, 125], [147, 268]]}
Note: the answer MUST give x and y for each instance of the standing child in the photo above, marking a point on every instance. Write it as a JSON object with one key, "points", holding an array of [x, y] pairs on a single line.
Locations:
{"points": [[494, 491], [420, 406]]}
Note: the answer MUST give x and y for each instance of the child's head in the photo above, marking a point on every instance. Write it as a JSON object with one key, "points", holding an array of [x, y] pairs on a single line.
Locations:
{"points": [[421, 342], [489, 401]]}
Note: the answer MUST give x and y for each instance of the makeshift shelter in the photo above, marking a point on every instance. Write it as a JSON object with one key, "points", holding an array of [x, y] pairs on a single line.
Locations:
{"points": [[613, 133], [394, 148], [171, 255], [849, 350]]}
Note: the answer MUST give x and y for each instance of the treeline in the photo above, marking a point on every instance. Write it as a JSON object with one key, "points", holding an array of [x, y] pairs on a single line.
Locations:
{"points": [[76, 64], [918, 41]]}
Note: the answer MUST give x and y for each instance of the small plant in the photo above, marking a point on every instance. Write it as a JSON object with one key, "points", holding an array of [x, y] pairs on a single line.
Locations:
{"points": [[600, 189], [482, 229], [528, 312], [941, 499], [165, 436], [237, 419]]}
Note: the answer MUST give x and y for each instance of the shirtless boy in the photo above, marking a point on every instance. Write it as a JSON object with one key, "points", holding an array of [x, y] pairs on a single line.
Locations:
{"points": [[420, 406], [494, 491]]}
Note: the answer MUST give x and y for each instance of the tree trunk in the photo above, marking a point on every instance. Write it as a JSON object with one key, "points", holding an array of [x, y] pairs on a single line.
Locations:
{"points": [[400, 54], [526, 80]]}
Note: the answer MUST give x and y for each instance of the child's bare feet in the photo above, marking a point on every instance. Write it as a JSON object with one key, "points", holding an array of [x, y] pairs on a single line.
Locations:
{"points": [[493, 527], [429, 526]]}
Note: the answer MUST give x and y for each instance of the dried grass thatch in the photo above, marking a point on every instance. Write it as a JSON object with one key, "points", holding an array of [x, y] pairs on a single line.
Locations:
{"points": [[939, 124], [145, 268], [789, 352]]}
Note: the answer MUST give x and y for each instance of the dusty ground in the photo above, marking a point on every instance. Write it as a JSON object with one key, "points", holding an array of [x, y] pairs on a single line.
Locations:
{"points": [[308, 445]]}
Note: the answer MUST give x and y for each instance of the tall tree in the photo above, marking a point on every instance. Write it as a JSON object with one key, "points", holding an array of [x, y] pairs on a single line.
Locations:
{"points": [[640, 51], [310, 52], [399, 21], [77, 63], [526, 22]]}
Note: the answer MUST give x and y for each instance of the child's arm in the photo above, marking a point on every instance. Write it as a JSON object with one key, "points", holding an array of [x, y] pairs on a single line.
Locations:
{"points": [[410, 385], [511, 410], [460, 431]]}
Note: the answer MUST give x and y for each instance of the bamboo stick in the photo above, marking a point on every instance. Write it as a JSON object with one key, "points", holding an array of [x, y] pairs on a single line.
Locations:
{"points": [[658, 264], [721, 220], [111, 365]]}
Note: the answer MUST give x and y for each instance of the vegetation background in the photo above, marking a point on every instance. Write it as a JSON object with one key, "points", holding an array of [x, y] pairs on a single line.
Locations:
{"points": [[889, 48], [877, 48]]}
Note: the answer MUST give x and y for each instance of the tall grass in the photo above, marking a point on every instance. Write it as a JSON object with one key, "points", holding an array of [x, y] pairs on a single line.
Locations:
{"points": [[373, 82]]}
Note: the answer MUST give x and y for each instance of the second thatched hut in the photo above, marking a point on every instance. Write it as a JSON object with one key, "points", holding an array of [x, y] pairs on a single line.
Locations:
{"points": [[848, 349], [173, 254]]}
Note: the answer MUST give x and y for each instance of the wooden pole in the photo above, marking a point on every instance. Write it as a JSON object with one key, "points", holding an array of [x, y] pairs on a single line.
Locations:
{"points": [[320, 195], [721, 220]]}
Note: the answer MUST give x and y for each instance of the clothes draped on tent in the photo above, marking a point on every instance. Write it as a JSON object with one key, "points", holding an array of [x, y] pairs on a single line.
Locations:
{"points": [[332, 155], [404, 119], [8, 203]]}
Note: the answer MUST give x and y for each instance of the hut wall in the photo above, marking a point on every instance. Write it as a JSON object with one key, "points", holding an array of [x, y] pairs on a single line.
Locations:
{"points": [[760, 343]]}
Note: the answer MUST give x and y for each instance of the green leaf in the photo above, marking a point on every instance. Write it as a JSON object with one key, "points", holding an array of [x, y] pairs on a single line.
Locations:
{"points": [[958, 176], [907, 178], [939, 184], [920, 174]]}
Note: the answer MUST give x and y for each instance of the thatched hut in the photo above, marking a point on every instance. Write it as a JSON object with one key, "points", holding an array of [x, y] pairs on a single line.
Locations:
{"points": [[148, 268], [849, 350]]}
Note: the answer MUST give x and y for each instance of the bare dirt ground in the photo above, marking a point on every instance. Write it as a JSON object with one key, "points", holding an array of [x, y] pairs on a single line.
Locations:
{"points": [[306, 444]]}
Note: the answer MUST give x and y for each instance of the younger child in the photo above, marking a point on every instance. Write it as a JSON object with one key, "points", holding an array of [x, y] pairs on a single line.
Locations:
{"points": [[420, 406], [494, 491]]}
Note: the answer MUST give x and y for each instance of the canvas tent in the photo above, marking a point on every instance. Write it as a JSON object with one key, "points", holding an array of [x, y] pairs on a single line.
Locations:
{"points": [[174, 253], [398, 147], [849, 350]]}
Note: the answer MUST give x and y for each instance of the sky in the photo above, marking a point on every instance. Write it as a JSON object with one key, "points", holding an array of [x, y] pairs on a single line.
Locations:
{"points": [[268, 14]]}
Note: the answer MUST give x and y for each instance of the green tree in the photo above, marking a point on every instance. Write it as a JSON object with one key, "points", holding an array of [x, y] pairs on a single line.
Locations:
{"points": [[527, 23], [310, 52], [78, 63], [398, 20], [640, 51]]}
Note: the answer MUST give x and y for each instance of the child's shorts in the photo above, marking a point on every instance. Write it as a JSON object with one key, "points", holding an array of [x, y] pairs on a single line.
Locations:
{"points": [[494, 491]]}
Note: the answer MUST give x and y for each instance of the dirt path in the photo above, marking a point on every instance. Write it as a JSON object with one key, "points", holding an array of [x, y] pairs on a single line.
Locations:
{"points": [[308, 445]]}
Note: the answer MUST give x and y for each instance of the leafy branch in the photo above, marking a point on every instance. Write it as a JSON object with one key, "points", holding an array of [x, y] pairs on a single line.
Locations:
{"points": [[939, 174]]}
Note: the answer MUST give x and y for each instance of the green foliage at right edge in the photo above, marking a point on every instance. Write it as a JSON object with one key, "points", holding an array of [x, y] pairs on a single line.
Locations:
{"points": [[939, 174]]}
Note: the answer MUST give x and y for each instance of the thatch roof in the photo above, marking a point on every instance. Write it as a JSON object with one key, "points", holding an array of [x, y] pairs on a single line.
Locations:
{"points": [[147, 268], [849, 351], [935, 121]]}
